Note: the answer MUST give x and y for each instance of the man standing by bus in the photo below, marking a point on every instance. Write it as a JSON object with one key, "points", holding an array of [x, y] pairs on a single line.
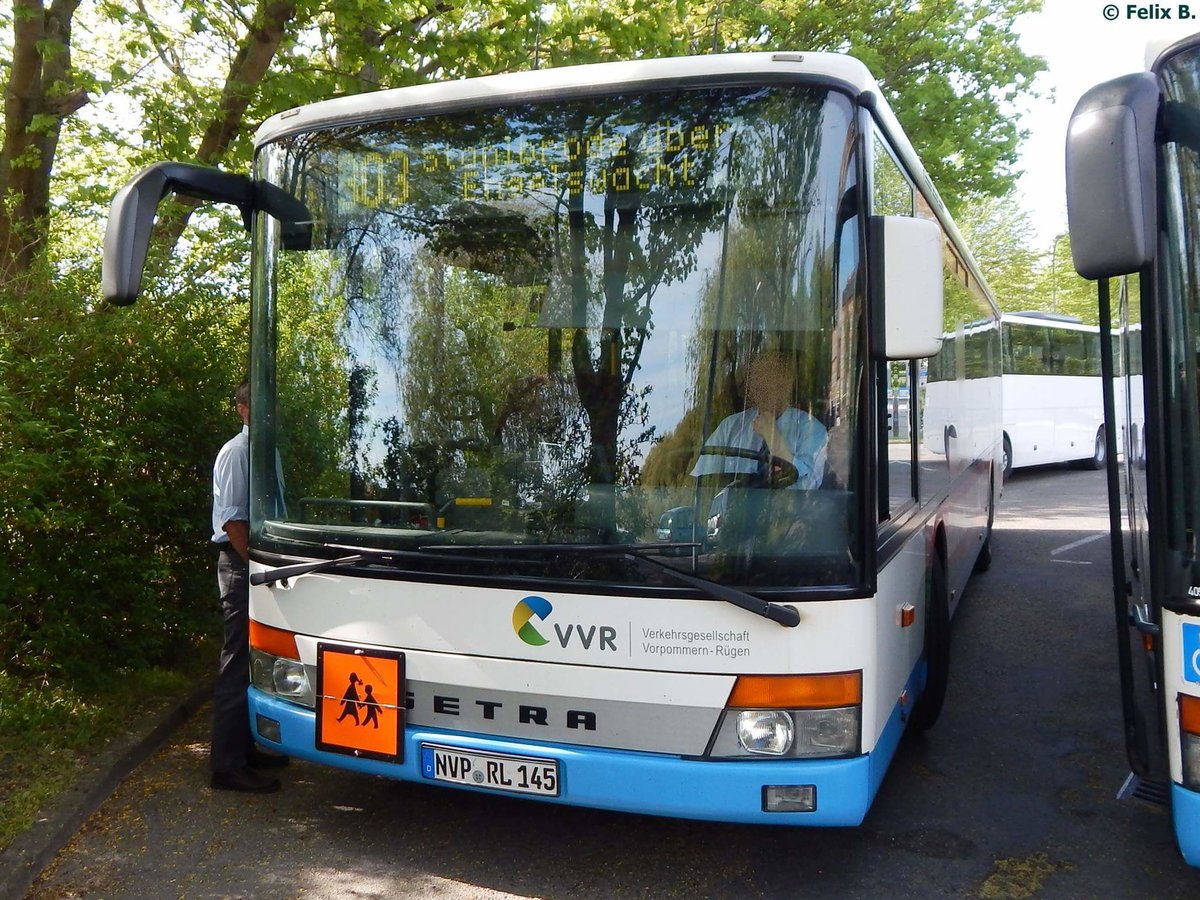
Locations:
{"points": [[233, 756]]}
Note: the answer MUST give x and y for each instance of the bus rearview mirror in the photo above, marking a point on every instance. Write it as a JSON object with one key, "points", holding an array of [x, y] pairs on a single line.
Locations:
{"points": [[907, 277], [1110, 176], [131, 217]]}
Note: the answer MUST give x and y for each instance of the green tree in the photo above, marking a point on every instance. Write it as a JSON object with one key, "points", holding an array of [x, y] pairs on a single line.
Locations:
{"points": [[39, 92], [1061, 288], [105, 452], [1000, 234], [952, 70]]}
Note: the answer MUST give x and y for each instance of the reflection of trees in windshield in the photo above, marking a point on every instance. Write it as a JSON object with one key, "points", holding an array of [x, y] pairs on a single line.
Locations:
{"points": [[500, 272], [776, 283], [310, 380]]}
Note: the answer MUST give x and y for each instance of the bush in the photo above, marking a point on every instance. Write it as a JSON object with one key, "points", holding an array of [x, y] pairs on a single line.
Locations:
{"points": [[109, 421]]}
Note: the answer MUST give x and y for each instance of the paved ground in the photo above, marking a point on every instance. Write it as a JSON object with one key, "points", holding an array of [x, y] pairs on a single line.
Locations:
{"points": [[1011, 795]]}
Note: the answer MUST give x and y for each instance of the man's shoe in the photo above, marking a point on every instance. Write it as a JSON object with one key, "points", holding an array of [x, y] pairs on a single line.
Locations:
{"points": [[245, 781], [259, 759]]}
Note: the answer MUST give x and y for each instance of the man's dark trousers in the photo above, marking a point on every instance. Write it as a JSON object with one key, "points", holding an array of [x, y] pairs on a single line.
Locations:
{"points": [[231, 738]]}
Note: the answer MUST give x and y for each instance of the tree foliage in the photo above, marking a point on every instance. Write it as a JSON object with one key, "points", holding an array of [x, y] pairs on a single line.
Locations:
{"points": [[109, 419], [108, 422], [1021, 275]]}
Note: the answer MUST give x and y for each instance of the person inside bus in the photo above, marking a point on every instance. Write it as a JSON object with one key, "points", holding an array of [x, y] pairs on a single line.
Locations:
{"points": [[233, 757], [771, 426]]}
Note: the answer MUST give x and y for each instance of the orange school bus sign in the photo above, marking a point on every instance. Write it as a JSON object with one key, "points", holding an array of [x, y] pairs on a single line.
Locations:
{"points": [[360, 705]]}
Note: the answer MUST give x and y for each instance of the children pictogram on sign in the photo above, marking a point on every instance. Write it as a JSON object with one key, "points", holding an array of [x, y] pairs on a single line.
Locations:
{"points": [[356, 718], [350, 699], [371, 705]]}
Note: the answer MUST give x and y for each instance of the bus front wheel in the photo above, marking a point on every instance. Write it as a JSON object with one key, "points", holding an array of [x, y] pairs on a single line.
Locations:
{"points": [[1006, 466], [937, 649]]}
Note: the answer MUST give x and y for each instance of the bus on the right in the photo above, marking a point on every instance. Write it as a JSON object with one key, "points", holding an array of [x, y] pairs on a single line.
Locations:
{"points": [[1133, 205]]}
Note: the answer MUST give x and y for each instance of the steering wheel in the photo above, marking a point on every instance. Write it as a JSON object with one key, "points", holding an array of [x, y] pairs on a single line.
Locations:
{"points": [[773, 471]]}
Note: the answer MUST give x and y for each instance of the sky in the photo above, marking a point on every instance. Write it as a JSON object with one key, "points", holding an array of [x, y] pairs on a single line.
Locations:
{"points": [[1082, 47]]}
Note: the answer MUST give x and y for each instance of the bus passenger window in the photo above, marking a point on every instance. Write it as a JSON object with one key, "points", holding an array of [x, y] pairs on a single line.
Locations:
{"points": [[898, 447]]}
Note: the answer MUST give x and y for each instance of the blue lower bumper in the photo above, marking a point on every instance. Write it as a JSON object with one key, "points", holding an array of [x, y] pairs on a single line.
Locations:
{"points": [[625, 781], [1185, 809]]}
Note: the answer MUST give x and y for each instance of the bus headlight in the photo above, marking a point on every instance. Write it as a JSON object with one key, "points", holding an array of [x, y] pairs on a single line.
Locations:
{"points": [[291, 680], [792, 717], [790, 733], [281, 677], [275, 666], [768, 731], [828, 732], [1191, 761]]}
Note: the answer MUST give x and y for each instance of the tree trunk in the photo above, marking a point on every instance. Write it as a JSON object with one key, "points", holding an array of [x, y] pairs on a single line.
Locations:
{"points": [[246, 73], [37, 98]]}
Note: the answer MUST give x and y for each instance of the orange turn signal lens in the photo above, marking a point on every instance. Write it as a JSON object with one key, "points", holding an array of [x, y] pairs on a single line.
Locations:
{"points": [[1189, 714], [796, 691], [275, 641]]}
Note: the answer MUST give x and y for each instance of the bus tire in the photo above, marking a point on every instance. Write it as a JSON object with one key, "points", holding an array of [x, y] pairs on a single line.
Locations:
{"points": [[937, 650], [983, 561], [1099, 452], [1006, 463]]}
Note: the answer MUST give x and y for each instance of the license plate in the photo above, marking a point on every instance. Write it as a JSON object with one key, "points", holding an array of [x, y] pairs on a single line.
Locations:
{"points": [[498, 771]]}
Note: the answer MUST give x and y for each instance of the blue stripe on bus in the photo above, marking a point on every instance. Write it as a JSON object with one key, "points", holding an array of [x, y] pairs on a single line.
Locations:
{"points": [[1185, 809], [627, 781]]}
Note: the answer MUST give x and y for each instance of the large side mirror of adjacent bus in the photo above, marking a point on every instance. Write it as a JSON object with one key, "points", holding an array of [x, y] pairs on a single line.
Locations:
{"points": [[131, 217], [906, 271], [1110, 176]]}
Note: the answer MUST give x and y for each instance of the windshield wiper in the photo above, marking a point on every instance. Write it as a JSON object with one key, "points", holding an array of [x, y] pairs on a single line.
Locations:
{"points": [[283, 573], [784, 615]]}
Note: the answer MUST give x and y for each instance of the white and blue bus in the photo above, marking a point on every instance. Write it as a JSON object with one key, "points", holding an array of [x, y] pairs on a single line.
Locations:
{"points": [[1133, 200], [500, 327]]}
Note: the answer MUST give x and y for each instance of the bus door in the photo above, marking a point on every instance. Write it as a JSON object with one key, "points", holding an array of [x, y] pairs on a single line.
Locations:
{"points": [[1145, 726]]}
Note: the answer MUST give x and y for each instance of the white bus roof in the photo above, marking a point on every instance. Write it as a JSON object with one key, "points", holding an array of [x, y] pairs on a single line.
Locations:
{"points": [[1048, 320], [526, 86]]}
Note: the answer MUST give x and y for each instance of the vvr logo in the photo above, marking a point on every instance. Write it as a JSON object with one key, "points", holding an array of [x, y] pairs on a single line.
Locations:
{"points": [[524, 611], [603, 637]]}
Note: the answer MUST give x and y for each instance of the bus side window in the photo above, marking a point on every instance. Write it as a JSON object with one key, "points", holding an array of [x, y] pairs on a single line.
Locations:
{"points": [[898, 451]]}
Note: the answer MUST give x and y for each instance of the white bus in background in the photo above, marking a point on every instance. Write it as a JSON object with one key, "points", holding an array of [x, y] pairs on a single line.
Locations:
{"points": [[1053, 409]]}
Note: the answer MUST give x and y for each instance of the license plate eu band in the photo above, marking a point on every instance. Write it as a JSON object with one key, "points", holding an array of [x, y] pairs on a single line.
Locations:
{"points": [[496, 771]]}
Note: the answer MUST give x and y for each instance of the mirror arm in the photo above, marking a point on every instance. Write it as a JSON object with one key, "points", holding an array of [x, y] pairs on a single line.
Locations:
{"points": [[131, 218]]}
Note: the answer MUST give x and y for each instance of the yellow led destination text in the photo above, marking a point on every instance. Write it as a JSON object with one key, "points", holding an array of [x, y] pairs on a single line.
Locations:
{"points": [[663, 154]]}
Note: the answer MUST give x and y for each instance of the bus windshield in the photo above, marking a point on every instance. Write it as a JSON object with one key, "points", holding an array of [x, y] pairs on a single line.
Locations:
{"points": [[629, 320]]}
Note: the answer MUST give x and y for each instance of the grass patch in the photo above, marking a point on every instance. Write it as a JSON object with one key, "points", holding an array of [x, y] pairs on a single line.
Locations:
{"points": [[48, 731], [1019, 879]]}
